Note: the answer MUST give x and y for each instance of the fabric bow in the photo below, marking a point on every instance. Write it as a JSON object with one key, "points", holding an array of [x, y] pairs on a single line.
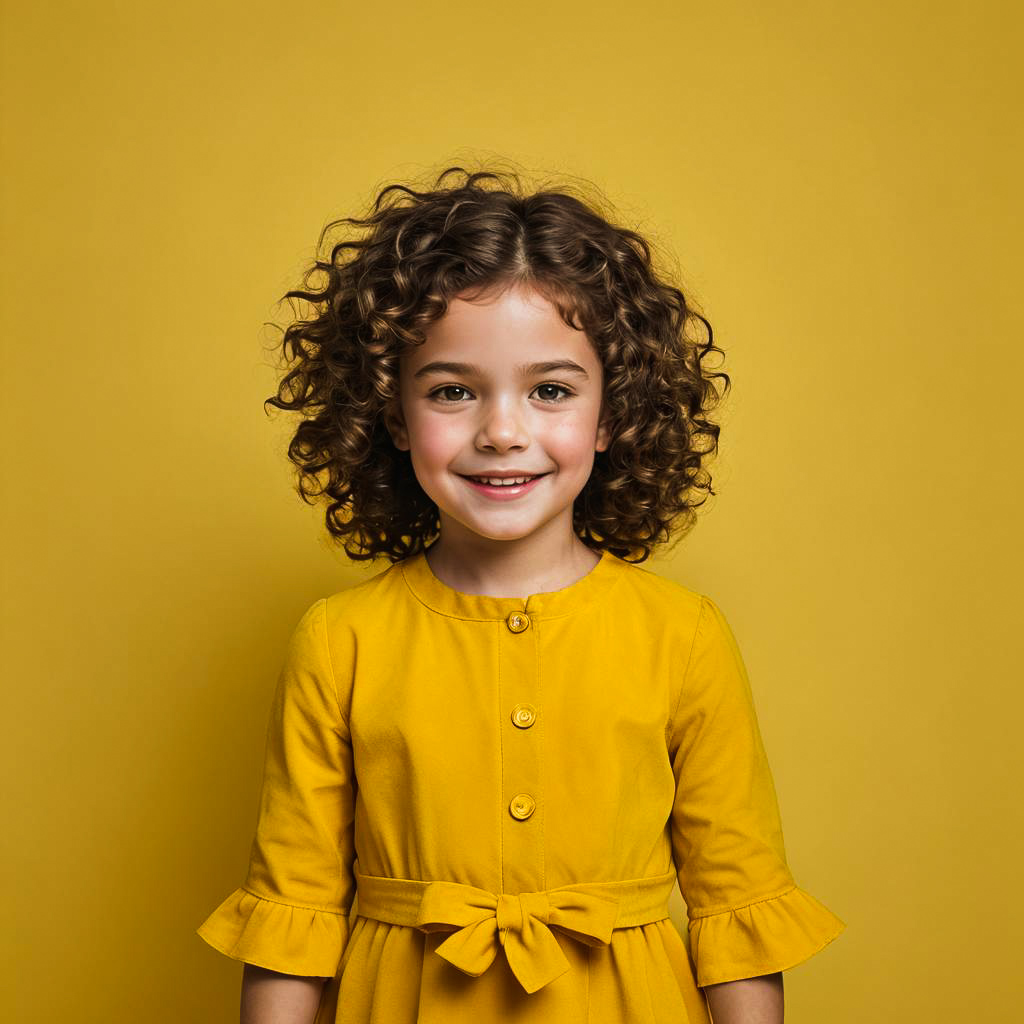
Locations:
{"points": [[519, 923]]}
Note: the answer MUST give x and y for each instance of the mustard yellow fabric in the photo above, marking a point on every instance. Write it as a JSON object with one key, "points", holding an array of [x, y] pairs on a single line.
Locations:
{"points": [[475, 808]]}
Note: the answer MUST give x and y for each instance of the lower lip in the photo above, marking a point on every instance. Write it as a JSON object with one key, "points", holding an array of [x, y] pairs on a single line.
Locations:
{"points": [[504, 493]]}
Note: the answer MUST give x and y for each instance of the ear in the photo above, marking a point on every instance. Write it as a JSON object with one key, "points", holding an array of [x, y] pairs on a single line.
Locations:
{"points": [[604, 436], [394, 421]]}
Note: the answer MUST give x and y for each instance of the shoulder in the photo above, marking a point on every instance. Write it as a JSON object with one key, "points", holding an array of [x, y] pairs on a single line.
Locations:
{"points": [[346, 605], [677, 612], [367, 600], [332, 620], [655, 594], [326, 636]]}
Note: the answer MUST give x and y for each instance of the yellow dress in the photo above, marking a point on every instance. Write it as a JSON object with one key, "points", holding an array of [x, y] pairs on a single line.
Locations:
{"points": [[475, 808]]}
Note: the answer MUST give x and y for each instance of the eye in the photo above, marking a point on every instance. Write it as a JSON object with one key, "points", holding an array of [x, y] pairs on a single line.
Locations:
{"points": [[447, 387], [442, 394], [557, 387]]}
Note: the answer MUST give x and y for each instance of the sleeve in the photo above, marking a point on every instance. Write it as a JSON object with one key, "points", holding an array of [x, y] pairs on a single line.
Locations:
{"points": [[291, 915], [746, 915]]}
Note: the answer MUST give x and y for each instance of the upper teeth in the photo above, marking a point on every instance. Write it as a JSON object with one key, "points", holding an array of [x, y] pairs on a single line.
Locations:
{"points": [[503, 481]]}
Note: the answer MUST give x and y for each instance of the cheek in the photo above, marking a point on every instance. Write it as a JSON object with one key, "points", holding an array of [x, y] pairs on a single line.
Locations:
{"points": [[573, 436], [435, 438]]}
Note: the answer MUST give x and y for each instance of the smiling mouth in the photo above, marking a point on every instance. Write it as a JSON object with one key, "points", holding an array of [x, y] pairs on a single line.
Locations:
{"points": [[515, 481]]}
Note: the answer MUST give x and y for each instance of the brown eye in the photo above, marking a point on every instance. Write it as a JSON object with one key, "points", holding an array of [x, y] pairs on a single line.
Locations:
{"points": [[448, 387], [557, 387]]}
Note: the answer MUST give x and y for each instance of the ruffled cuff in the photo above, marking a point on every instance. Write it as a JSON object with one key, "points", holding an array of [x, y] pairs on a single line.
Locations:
{"points": [[278, 936], [763, 937]]}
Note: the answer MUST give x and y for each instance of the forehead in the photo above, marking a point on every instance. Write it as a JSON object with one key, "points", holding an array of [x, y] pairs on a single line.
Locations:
{"points": [[500, 330]]}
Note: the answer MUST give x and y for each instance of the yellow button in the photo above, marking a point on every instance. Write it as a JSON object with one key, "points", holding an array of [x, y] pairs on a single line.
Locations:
{"points": [[522, 806], [524, 715], [518, 621]]}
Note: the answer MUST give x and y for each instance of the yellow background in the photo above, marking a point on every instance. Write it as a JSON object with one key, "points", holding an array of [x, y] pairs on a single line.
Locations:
{"points": [[841, 190]]}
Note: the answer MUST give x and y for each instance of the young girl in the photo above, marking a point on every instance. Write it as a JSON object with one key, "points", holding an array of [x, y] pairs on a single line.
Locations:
{"points": [[488, 765]]}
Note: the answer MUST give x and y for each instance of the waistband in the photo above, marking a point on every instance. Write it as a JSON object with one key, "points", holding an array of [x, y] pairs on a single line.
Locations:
{"points": [[520, 923]]}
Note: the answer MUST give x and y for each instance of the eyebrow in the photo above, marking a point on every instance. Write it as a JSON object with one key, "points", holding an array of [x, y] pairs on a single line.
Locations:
{"points": [[527, 369]]}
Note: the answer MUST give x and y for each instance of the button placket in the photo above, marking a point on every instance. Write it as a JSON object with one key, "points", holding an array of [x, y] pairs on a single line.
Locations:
{"points": [[523, 853]]}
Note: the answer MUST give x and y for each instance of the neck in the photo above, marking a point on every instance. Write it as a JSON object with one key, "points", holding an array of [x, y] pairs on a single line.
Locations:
{"points": [[478, 565]]}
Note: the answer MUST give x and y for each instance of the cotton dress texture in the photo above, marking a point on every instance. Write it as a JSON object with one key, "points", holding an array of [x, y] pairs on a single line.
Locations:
{"points": [[475, 808]]}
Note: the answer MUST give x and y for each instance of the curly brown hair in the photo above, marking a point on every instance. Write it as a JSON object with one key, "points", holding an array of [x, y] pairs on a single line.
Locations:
{"points": [[419, 250]]}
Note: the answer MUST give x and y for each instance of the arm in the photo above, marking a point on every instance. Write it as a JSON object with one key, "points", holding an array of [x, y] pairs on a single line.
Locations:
{"points": [[748, 919], [272, 998], [289, 922], [748, 1001]]}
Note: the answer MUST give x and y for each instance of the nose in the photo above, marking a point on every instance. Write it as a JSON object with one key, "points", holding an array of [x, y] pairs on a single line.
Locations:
{"points": [[502, 427]]}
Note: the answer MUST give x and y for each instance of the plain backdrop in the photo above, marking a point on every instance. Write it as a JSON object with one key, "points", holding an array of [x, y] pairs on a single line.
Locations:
{"points": [[836, 186]]}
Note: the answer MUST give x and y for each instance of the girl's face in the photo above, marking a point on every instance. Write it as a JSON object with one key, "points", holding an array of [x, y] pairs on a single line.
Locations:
{"points": [[502, 385]]}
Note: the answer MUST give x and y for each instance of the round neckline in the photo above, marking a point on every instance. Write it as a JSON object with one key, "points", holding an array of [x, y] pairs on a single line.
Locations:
{"points": [[440, 597]]}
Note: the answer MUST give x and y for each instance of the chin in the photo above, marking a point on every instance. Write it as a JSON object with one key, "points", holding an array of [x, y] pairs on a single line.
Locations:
{"points": [[503, 535], [490, 531]]}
